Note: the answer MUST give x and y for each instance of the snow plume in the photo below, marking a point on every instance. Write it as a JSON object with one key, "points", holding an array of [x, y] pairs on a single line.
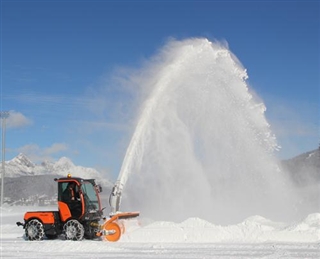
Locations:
{"points": [[202, 146]]}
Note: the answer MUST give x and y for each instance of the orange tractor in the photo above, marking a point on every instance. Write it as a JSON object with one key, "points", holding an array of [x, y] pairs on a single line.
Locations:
{"points": [[78, 215]]}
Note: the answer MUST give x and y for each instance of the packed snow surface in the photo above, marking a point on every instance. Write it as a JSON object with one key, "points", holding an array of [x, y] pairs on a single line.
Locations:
{"points": [[256, 237]]}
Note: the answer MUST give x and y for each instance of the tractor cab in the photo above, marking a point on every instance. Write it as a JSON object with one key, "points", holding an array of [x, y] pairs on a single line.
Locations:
{"points": [[79, 199]]}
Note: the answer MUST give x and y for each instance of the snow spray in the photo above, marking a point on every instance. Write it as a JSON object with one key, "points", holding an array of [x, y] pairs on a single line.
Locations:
{"points": [[202, 146]]}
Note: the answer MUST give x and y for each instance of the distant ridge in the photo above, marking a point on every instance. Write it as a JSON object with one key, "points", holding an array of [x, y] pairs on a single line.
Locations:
{"points": [[21, 165], [25, 180], [304, 168]]}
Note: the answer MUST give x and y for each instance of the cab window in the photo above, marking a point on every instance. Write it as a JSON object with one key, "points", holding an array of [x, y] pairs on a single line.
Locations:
{"points": [[90, 196]]}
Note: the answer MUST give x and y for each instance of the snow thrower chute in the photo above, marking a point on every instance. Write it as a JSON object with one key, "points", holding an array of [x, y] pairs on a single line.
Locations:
{"points": [[115, 197]]}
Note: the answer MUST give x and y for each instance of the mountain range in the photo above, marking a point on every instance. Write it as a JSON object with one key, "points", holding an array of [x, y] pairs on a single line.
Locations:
{"points": [[25, 180], [21, 165], [305, 168]]}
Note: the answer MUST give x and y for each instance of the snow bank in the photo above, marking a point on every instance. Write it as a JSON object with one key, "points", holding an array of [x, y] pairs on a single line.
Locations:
{"points": [[252, 230]]}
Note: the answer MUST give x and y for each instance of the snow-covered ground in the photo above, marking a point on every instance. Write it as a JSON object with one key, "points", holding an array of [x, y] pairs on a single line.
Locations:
{"points": [[256, 237]]}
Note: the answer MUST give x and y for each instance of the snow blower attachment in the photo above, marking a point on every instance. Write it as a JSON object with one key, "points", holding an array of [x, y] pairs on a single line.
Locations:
{"points": [[78, 215]]}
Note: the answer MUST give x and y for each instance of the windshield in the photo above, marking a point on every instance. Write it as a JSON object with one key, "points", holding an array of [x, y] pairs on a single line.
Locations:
{"points": [[90, 196]]}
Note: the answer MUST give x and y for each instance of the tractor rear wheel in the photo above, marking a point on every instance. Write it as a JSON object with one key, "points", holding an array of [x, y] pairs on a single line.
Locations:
{"points": [[73, 230], [34, 230]]}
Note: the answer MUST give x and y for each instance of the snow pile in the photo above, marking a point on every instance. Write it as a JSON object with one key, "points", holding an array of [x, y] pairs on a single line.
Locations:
{"points": [[256, 237], [252, 230]]}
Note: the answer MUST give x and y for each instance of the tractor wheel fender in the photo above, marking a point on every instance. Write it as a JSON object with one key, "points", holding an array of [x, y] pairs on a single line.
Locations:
{"points": [[68, 219], [28, 220]]}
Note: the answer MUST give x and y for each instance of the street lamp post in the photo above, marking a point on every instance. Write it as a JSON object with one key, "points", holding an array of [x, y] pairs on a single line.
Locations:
{"points": [[3, 115]]}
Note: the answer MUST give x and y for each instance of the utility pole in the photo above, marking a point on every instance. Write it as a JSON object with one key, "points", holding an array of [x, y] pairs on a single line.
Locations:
{"points": [[3, 115]]}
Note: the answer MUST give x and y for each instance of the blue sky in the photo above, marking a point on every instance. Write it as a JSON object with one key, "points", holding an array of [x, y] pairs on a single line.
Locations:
{"points": [[59, 61]]}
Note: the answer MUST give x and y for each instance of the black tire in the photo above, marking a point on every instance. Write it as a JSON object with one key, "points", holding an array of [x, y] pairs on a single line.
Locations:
{"points": [[73, 230], [34, 230]]}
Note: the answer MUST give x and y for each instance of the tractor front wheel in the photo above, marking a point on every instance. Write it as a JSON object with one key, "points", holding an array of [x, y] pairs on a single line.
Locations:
{"points": [[34, 230], [73, 230]]}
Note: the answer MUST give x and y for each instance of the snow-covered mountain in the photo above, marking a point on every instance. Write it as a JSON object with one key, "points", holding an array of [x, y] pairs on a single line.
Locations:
{"points": [[305, 168], [21, 165], [25, 180]]}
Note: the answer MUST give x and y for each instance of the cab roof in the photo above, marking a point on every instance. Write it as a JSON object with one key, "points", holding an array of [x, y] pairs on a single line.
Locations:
{"points": [[74, 179]]}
